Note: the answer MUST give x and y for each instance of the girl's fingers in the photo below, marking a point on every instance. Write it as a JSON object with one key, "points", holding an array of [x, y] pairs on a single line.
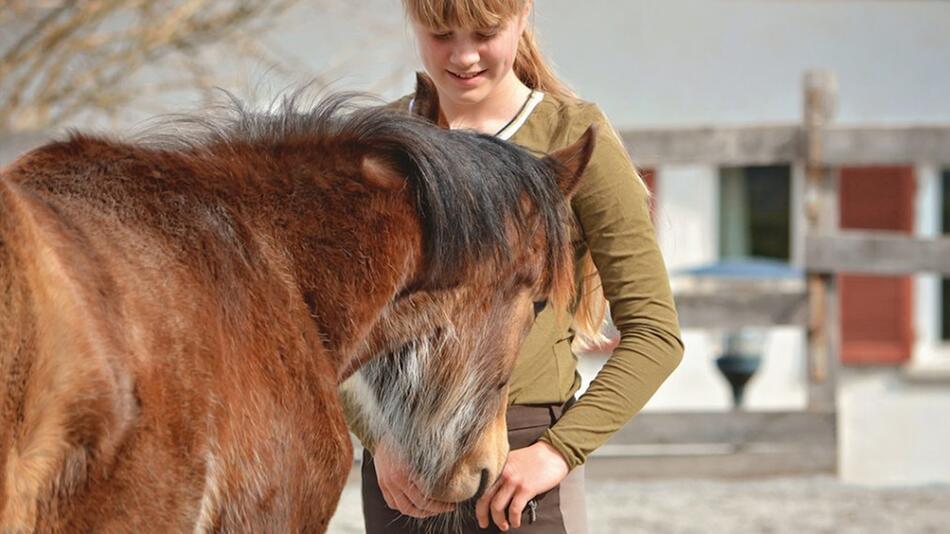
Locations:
{"points": [[481, 506], [499, 504], [518, 502]]}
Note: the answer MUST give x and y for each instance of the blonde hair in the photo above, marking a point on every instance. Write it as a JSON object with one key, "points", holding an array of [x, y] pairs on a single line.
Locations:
{"points": [[533, 71], [530, 66]]}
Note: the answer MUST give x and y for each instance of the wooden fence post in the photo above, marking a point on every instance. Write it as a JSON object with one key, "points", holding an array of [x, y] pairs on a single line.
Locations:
{"points": [[821, 215]]}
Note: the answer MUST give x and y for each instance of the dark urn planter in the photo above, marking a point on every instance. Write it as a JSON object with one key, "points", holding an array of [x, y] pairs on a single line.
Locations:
{"points": [[738, 369]]}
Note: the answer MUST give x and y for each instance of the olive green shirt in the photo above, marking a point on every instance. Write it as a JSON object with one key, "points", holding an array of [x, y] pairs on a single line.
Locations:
{"points": [[613, 213]]}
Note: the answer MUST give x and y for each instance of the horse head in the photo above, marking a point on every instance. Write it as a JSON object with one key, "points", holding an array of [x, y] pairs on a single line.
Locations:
{"points": [[434, 387]]}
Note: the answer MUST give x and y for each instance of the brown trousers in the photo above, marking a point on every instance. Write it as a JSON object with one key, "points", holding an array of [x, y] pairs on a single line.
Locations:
{"points": [[559, 511]]}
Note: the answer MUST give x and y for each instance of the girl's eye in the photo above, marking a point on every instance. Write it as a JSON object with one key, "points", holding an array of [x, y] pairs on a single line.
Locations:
{"points": [[442, 36], [486, 35]]}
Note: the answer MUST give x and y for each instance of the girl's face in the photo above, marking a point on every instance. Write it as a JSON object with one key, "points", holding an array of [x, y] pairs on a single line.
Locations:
{"points": [[467, 65]]}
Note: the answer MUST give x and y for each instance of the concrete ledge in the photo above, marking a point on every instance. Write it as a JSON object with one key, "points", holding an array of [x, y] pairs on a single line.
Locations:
{"points": [[816, 428], [737, 465], [719, 444]]}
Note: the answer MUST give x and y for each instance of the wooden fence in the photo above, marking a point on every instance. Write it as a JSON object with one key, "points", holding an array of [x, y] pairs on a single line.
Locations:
{"points": [[799, 440]]}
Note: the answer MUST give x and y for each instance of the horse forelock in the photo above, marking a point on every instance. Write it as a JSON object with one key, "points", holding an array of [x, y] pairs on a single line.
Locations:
{"points": [[473, 205]]}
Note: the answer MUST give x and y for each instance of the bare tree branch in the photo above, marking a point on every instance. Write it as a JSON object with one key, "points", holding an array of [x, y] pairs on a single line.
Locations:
{"points": [[61, 59]]}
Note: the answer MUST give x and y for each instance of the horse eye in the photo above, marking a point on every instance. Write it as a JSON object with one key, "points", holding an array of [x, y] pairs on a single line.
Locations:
{"points": [[502, 385], [539, 306]]}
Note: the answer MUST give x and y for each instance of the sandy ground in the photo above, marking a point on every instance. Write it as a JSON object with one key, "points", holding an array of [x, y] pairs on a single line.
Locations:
{"points": [[787, 505]]}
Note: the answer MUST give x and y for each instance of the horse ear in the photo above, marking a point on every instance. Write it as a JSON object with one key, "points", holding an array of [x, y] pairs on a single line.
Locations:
{"points": [[570, 162], [425, 103], [383, 171]]}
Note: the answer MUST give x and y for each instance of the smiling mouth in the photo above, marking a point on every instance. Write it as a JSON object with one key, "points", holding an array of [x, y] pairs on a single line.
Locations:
{"points": [[466, 76]]}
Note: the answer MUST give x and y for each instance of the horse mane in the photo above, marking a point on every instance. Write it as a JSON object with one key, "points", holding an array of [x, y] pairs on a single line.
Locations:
{"points": [[469, 188]]}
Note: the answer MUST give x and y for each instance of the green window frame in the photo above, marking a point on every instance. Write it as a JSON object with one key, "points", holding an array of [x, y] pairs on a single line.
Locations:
{"points": [[755, 212]]}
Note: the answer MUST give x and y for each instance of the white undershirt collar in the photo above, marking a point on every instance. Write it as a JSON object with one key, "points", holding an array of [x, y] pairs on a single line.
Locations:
{"points": [[517, 121]]}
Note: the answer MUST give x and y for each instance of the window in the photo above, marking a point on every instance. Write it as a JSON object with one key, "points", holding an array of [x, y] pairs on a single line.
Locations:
{"points": [[945, 293], [754, 212]]}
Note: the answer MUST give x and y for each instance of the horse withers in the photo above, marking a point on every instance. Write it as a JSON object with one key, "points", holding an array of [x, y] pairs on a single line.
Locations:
{"points": [[177, 313]]}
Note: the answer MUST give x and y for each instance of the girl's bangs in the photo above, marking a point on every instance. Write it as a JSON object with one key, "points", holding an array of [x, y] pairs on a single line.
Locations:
{"points": [[462, 13]]}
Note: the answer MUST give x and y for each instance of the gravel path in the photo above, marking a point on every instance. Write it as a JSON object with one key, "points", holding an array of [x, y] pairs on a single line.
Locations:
{"points": [[790, 505], [779, 506]]}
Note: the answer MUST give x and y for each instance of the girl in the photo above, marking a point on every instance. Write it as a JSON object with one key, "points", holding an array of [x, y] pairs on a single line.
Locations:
{"points": [[490, 77]]}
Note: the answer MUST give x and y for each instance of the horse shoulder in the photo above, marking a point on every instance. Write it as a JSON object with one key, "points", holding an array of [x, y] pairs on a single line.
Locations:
{"points": [[69, 413]]}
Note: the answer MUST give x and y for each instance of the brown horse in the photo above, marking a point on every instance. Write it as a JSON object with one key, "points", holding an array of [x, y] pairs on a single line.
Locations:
{"points": [[176, 314]]}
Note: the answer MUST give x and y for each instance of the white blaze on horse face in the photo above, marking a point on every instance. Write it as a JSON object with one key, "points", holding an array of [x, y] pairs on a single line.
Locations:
{"points": [[422, 405], [484, 460], [438, 400]]}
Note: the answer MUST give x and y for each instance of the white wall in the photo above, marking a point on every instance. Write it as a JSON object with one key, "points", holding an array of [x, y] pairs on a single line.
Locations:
{"points": [[675, 62], [687, 214], [892, 431], [930, 352], [688, 62]]}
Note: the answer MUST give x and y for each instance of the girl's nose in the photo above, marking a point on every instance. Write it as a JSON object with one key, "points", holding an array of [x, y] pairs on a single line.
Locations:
{"points": [[465, 54]]}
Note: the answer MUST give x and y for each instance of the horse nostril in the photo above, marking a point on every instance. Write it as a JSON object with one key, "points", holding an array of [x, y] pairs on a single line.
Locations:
{"points": [[482, 485]]}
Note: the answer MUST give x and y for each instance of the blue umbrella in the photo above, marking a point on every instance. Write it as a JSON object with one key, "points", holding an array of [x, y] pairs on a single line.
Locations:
{"points": [[761, 268]]}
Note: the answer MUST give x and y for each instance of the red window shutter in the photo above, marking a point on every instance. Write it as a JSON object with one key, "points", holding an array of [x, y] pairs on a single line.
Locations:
{"points": [[876, 311]]}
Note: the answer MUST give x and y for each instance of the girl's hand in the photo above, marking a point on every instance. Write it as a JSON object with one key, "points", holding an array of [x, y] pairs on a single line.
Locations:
{"points": [[399, 491], [529, 472]]}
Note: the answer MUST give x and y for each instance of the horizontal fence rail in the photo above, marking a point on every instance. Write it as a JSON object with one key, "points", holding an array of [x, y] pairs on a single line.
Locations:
{"points": [[891, 145], [738, 145], [880, 253], [775, 144], [753, 307]]}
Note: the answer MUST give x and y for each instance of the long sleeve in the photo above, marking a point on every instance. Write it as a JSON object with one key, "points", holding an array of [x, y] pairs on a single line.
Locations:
{"points": [[612, 209]]}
